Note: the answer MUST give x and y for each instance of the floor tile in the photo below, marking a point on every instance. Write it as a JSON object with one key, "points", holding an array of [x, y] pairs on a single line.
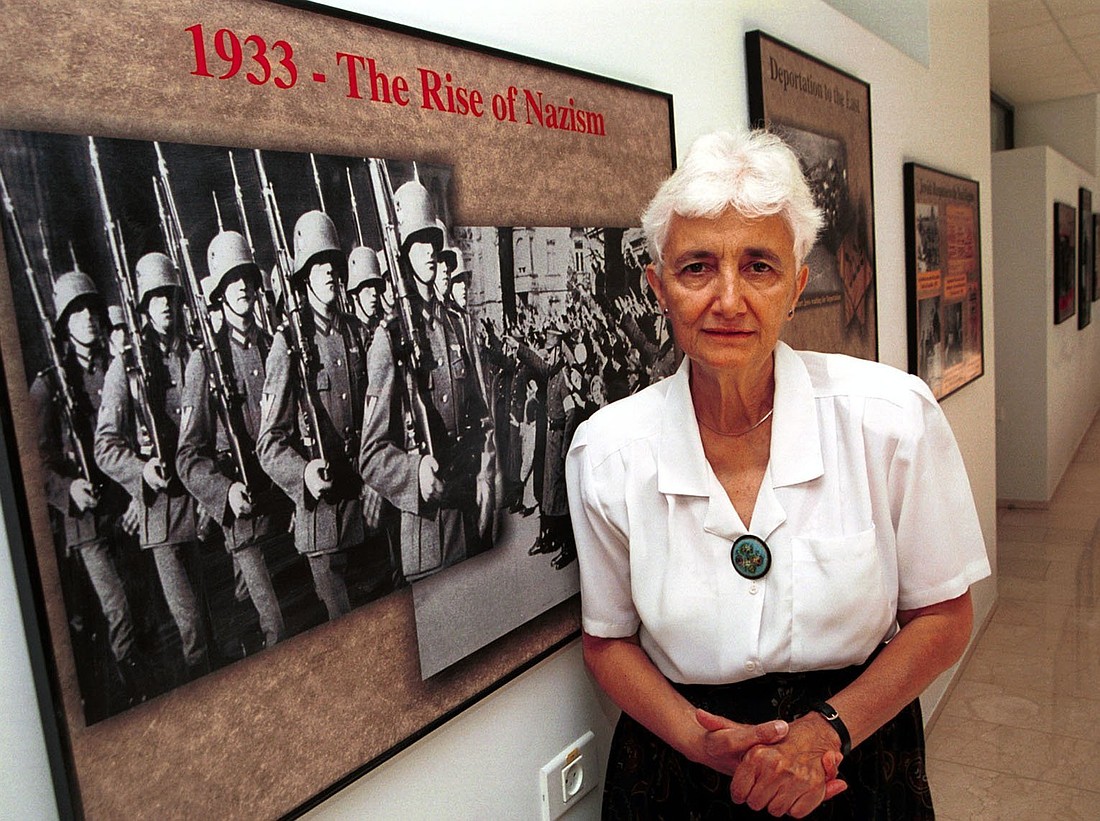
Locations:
{"points": [[1015, 738], [969, 793]]}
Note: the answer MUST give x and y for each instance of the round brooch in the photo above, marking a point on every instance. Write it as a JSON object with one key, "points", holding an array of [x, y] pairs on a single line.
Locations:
{"points": [[751, 557]]}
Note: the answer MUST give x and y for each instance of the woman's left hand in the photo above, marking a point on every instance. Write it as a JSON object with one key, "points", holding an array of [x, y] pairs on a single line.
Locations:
{"points": [[794, 776]]}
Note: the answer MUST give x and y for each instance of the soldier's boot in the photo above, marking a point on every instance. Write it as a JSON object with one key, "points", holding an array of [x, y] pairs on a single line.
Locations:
{"points": [[135, 679]]}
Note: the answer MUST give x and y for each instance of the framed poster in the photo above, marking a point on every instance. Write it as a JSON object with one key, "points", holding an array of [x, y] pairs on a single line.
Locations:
{"points": [[943, 264], [306, 502], [1086, 258], [1065, 261], [825, 115], [1095, 256]]}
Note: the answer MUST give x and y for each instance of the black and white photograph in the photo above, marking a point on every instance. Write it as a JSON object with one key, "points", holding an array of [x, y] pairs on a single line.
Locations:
{"points": [[276, 386], [195, 330], [928, 237], [564, 324], [930, 350]]}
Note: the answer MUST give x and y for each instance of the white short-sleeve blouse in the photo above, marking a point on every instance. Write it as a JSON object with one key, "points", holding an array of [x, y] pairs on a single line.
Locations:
{"points": [[865, 506]]}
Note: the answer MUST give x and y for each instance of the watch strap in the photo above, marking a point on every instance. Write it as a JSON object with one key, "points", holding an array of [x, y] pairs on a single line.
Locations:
{"points": [[829, 713]]}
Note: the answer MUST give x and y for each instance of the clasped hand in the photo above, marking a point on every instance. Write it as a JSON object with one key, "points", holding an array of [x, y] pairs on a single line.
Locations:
{"points": [[783, 768]]}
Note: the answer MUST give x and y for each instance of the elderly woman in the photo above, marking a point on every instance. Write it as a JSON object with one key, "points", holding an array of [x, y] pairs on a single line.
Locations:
{"points": [[776, 546]]}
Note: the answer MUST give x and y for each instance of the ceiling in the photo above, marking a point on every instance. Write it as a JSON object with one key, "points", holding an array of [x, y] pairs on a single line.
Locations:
{"points": [[1044, 49]]}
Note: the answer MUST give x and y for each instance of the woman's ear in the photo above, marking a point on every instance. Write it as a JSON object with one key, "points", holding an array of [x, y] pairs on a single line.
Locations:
{"points": [[654, 280]]}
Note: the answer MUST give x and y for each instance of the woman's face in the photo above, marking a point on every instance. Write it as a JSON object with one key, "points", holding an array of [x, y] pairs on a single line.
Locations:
{"points": [[728, 284]]}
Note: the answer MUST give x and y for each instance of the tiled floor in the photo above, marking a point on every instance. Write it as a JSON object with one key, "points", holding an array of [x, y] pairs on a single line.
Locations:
{"points": [[1019, 736]]}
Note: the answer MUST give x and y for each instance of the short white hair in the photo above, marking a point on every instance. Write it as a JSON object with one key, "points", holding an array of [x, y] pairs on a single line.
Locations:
{"points": [[754, 173]]}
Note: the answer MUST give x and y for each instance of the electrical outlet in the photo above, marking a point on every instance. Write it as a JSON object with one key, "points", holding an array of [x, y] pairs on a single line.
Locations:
{"points": [[570, 775]]}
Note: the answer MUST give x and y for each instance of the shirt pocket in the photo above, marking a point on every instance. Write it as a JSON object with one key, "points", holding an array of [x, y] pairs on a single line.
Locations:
{"points": [[842, 609], [457, 362]]}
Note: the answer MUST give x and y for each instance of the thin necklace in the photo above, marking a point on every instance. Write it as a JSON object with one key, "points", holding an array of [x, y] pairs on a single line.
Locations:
{"points": [[749, 429]]}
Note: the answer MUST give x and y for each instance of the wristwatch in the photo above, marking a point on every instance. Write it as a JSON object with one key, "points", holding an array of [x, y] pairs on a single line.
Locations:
{"points": [[829, 713]]}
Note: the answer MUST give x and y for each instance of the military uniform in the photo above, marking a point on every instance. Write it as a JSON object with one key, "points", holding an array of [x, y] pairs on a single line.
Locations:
{"points": [[433, 536], [323, 528], [166, 517], [87, 533], [206, 465]]}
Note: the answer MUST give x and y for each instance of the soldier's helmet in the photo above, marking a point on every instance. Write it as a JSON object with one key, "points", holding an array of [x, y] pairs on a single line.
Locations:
{"points": [[70, 291], [416, 220], [461, 273], [154, 272], [363, 268], [315, 240], [227, 254], [448, 255]]}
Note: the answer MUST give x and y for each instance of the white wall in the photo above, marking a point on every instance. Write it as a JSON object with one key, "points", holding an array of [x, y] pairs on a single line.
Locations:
{"points": [[1048, 376], [1073, 380], [1024, 302], [1069, 126], [483, 764]]}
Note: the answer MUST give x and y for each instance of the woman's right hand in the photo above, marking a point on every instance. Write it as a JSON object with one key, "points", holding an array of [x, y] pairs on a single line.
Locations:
{"points": [[725, 742]]}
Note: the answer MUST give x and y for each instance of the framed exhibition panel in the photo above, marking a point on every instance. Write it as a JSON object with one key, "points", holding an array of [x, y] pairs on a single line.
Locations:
{"points": [[943, 263], [1065, 261], [1095, 256], [264, 271], [825, 115], [1086, 258]]}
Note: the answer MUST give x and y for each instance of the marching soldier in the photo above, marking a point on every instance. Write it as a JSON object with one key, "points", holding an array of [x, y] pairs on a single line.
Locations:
{"points": [[252, 512], [365, 286], [444, 488], [309, 432], [116, 329], [127, 450], [386, 295], [87, 505], [455, 279]]}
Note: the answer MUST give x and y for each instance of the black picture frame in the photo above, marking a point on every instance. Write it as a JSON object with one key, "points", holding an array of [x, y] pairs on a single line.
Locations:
{"points": [[238, 732], [1095, 256], [1065, 262], [824, 113], [1086, 258], [943, 278]]}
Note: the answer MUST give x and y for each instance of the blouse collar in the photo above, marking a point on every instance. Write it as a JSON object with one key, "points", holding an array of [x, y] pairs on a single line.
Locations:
{"points": [[795, 447]]}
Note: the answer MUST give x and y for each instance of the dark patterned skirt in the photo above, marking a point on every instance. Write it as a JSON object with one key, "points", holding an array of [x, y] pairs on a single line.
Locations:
{"points": [[648, 780]]}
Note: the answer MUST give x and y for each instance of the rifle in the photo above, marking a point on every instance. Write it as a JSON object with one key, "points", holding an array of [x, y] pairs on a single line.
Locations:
{"points": [[296, 332], [223, 389], [341, 296], [409, 355], [45, 245], [317, 183], [136, 364], [355, 209], [66, 401], [268, 312]]}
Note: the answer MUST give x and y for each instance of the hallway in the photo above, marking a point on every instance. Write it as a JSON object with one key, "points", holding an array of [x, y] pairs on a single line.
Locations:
{"points": [[1017, 735]]}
